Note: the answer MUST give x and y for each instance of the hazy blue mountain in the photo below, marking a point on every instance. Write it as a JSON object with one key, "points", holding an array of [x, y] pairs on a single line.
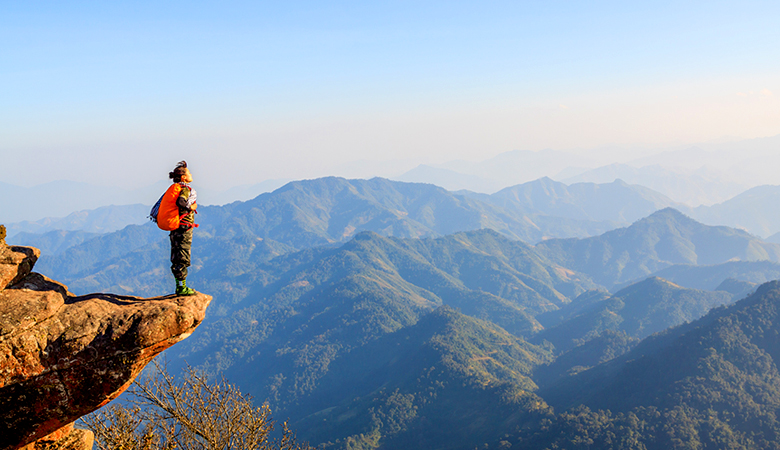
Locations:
{"points": [[52, 242], [639, 310], [104, 219], [689, 187], [737, 288], [301, 214], [520, 166], [710, 277], [749, 162], [663, 239], [53, 199], [362, 339], [92, 254], [754, 210], [72, 206], [240, 193], [617, 201], [328, 210], [775, 238], [449, 179]]}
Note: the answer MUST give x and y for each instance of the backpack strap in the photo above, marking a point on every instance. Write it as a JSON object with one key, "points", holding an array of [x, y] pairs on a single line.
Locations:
{"points": [[185, 224]]}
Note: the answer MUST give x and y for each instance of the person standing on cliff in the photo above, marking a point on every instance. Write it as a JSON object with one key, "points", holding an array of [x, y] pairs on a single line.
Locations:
{"points": [[181, 237]]}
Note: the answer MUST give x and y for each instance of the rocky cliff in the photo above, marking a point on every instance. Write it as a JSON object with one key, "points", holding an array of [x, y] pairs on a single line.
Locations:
{"points": [[63, 356]]}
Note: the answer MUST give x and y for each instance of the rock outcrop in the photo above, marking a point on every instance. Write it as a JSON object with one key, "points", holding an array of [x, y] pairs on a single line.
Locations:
{"points": [[63, 356], [15, 262]]}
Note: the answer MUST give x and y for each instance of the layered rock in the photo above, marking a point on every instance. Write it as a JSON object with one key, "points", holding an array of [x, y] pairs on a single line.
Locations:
{"points": [[63, 356], [15, 262]]}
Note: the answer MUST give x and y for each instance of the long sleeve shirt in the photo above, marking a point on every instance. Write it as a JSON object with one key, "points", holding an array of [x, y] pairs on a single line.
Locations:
{"points": [[186, 204]]}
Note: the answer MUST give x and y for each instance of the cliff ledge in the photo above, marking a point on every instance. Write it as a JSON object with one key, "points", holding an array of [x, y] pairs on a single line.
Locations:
{"points": [[63, 356]]}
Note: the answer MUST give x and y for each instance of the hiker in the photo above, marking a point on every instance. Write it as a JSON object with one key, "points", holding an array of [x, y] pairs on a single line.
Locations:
{"points": [[181, 237]]}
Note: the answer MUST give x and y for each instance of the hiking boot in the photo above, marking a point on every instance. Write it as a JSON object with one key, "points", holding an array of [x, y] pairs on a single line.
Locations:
{"points": [[182, 289]]}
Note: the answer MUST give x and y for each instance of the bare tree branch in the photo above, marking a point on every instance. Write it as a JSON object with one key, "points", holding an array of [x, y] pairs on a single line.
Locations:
{"points": [[190, 413]]}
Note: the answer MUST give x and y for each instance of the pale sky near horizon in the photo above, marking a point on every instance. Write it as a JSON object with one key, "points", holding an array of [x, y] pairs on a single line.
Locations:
{"points": [[110, 92]]}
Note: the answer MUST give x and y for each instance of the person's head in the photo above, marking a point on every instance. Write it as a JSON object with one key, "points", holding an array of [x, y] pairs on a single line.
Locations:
{"points": [[181, 173]]}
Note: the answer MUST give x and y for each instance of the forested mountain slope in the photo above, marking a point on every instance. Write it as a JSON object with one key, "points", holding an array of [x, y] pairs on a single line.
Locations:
{"points": [[366, 311], [447, 382], [639, 310], [713, 383], [329, 300], [663, 239]]}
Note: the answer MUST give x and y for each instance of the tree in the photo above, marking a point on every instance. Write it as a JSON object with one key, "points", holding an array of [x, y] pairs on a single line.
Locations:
{"points": [[192, 413]]}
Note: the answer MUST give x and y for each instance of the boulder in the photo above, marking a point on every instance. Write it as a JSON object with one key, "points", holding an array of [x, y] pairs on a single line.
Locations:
{"points": [[16, 263], [63, 356]]}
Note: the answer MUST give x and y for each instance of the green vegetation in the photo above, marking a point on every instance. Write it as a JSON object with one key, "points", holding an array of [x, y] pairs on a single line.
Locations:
{"points": [[449, 381], [421, 341], [317, 305], [713, 383], [602, 348], [638, 311]]}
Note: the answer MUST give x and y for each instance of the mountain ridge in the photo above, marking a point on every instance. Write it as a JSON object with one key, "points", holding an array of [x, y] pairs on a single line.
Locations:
{"points": [[665, 238]]}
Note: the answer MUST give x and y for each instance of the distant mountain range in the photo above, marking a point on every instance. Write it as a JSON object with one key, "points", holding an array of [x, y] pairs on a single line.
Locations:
{"points": [[42, 208], [327, 211], [700, 187], [701, 174], [61, 198], [449, 179], [370, 314], [615, 201], [753, 210], [104, 219], [530, 211], [663, 239], [710, 277]]}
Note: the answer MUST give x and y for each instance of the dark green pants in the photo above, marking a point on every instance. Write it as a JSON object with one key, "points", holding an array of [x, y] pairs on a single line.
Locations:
{"points": [[181, 245]]}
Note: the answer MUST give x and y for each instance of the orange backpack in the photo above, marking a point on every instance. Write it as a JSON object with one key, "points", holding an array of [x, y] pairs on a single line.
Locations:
{"points": [[166, 212]]}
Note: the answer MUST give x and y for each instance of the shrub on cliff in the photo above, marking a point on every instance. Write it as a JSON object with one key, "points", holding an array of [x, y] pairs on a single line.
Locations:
{"points": [[190, 413]]}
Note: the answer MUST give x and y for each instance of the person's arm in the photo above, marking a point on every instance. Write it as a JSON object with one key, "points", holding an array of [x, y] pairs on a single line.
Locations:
{"points": [[183, 200]]}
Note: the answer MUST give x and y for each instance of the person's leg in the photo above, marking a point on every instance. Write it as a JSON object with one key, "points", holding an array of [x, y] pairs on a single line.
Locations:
{"points": [[181, 246]]}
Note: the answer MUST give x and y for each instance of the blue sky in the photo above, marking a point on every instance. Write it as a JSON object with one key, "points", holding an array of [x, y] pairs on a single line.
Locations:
{"points": [[257, 90]]}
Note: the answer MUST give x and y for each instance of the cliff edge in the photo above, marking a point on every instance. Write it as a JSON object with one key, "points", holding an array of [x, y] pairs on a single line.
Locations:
{"points": [[63, 356]]}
